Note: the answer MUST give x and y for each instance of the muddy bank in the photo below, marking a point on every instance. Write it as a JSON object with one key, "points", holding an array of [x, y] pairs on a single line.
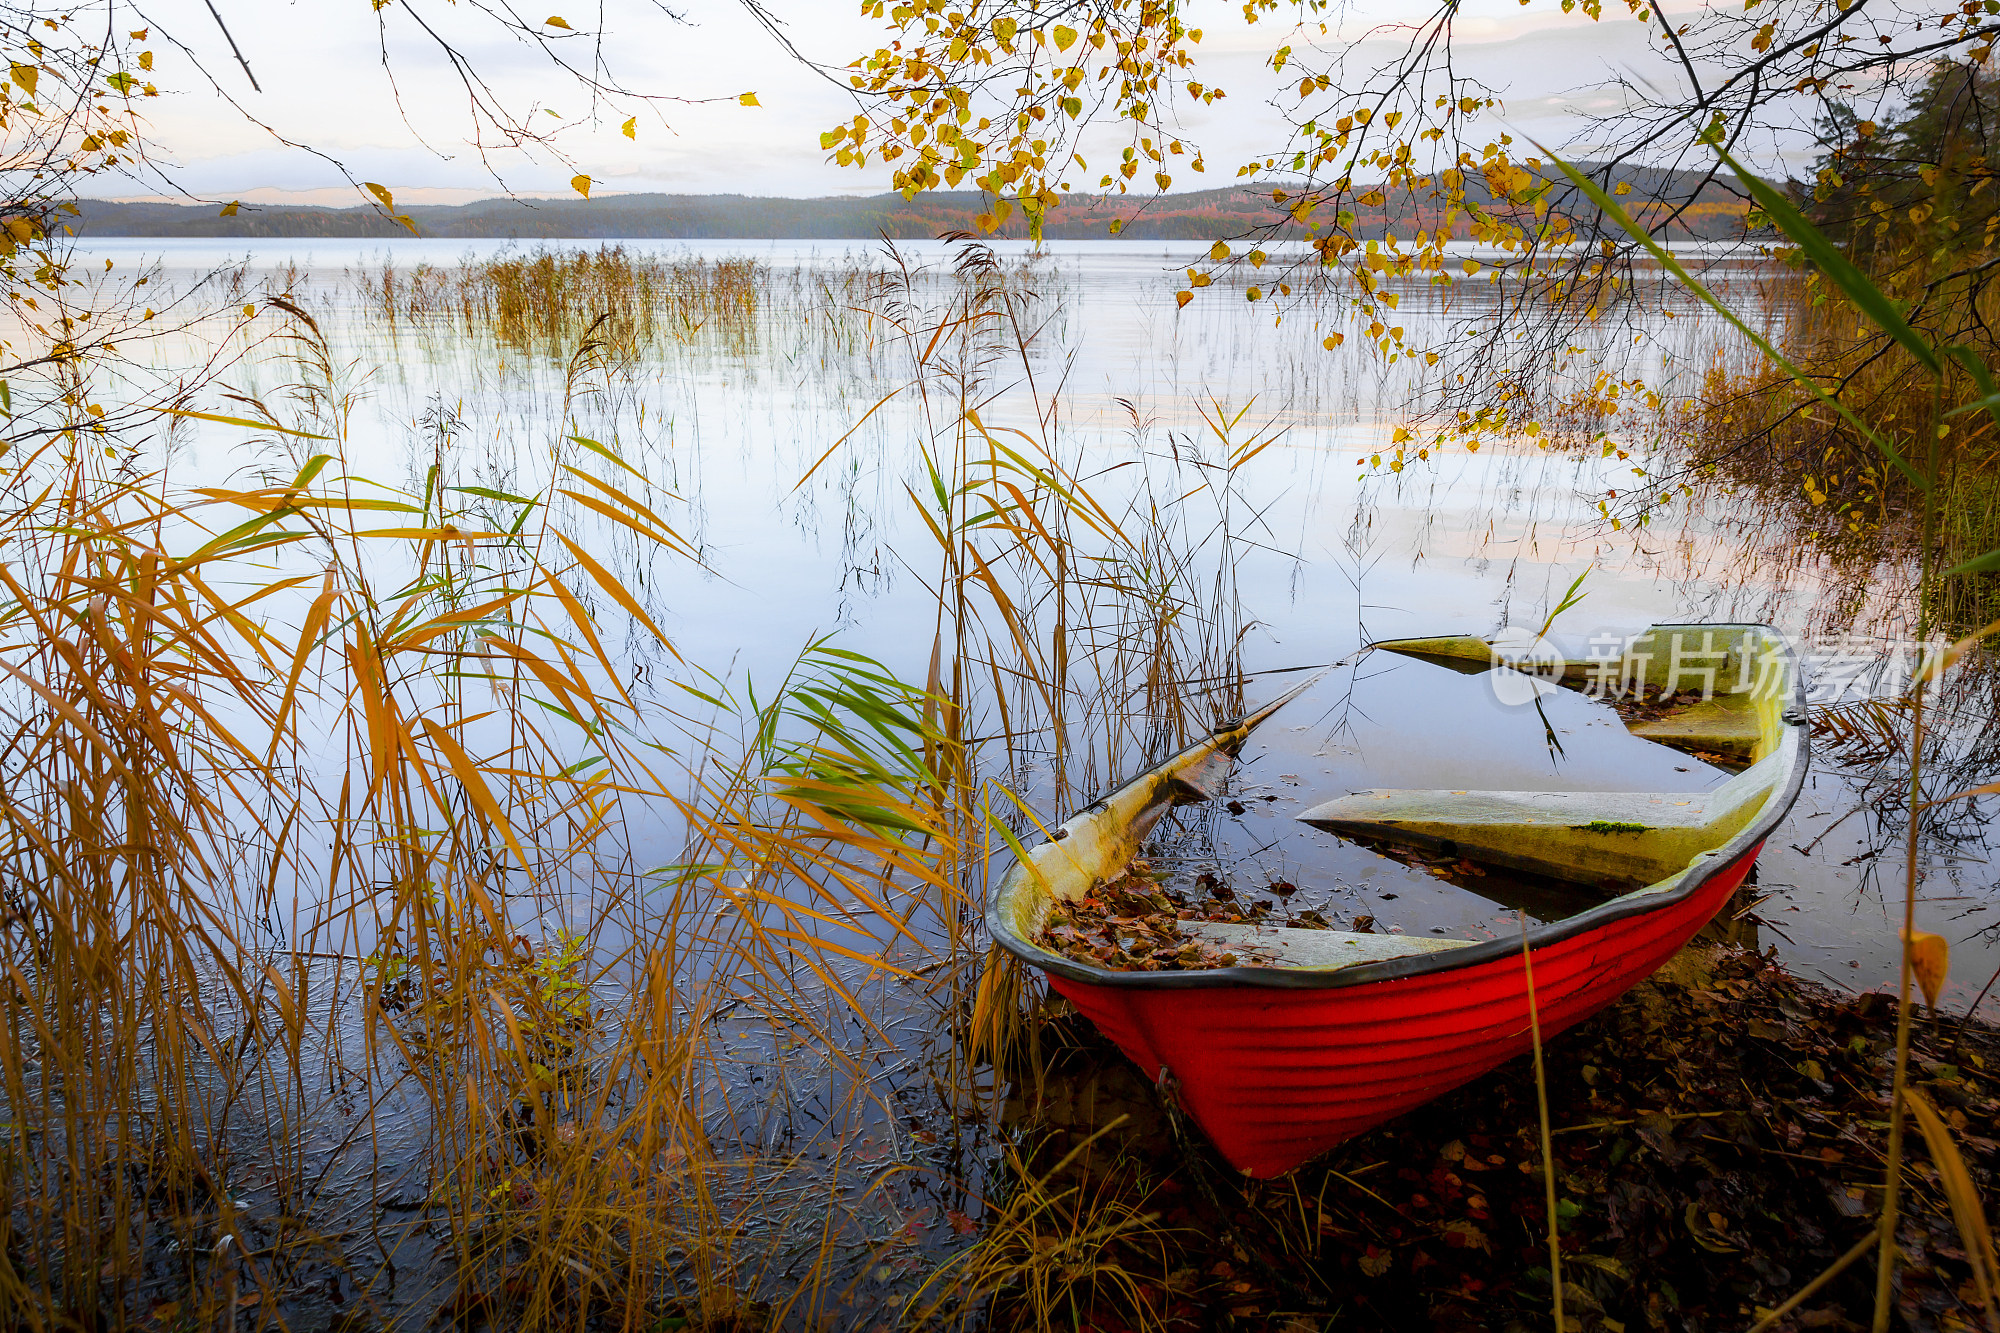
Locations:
{"points": [[1719, 1135]]}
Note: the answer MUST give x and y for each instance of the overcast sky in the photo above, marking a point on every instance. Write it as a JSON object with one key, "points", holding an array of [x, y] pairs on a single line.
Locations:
{"points": [[321, 68]]}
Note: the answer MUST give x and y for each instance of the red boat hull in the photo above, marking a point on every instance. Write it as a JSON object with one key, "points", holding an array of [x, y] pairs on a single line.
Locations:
{"points": [[1275, 1077]]}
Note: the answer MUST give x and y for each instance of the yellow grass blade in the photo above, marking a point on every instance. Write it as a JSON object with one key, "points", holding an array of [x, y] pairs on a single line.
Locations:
{"points": [[1966, 1209], [475, 786], [617, 592], [239, 421], [309, 641]]}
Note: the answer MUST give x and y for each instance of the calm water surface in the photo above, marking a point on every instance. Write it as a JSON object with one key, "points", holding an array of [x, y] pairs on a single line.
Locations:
{"points": [[1335, 555]]}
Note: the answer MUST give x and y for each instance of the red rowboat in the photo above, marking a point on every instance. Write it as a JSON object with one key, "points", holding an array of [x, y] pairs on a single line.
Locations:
{"points": [[1334, 1032]]}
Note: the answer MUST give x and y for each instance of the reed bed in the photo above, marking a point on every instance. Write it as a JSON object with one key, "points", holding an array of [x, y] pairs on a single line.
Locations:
{"points": [[334, 988], [546, 301], [1751, 427]]}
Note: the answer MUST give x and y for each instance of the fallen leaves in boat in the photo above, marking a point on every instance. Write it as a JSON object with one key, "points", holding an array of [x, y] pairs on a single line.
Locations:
{"points": [[1651, 705], [1133, 924], [1129, 924], [1452, 869]]}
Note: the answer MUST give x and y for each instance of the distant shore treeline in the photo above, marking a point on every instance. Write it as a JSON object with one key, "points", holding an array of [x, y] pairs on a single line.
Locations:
{"points": [[1203, 215]]}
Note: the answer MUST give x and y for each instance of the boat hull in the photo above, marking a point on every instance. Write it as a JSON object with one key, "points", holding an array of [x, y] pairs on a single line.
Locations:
{"points": [[1277, 1076]]}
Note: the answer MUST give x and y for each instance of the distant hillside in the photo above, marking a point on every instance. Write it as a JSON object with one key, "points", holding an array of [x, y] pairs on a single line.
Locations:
{"points": [[1210, 214], [1203, 215]]}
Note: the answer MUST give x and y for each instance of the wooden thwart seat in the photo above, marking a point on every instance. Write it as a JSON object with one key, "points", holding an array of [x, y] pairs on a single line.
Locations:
{"points": [[1725, 726], [1583, 837], [1291, 946]]}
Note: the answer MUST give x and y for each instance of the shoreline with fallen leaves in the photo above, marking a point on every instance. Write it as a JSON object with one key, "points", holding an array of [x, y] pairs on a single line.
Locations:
{"points": [[1717, 1138]]}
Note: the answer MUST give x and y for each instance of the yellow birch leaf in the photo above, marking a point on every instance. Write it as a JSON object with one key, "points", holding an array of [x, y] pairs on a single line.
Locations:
{"points": [[581, 184], [381, 193], [1218, 252], [749, 99], [631, 128], [1182, 298], [1065, 37], [229, 209], [25, 75], [1930, 955], [552, 21]]}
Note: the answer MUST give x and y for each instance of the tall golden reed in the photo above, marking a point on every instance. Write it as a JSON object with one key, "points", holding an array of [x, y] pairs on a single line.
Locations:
{"points": [[317, 795]]}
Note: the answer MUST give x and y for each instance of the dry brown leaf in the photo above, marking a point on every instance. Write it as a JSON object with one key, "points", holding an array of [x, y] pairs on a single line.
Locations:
{"points": [[1930, 956]]}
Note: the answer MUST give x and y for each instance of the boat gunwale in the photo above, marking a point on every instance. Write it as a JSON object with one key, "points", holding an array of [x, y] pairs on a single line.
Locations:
{"points": [[1700, 870]]}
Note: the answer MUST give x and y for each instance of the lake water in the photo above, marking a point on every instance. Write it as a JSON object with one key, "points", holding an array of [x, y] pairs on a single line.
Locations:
{"points": [[1340, 555], [791, 452]]}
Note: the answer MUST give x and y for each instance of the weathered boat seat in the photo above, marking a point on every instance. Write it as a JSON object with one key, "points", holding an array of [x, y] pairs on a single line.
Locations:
{"points": [[1726, 725], [1584, 837], [1290, 946]]}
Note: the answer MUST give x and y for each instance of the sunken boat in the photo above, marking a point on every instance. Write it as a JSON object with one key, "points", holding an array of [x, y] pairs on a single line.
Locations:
{"points": [[1318, 1035]]}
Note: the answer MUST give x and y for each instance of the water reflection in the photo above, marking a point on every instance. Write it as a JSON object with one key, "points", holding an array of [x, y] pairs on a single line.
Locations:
{"points": [[723, 423]]}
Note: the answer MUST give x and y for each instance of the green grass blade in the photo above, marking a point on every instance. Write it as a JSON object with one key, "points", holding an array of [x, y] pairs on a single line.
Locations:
{"points": [[605, 453], [1975, 367], [1866, 296], [1979, 564]]}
